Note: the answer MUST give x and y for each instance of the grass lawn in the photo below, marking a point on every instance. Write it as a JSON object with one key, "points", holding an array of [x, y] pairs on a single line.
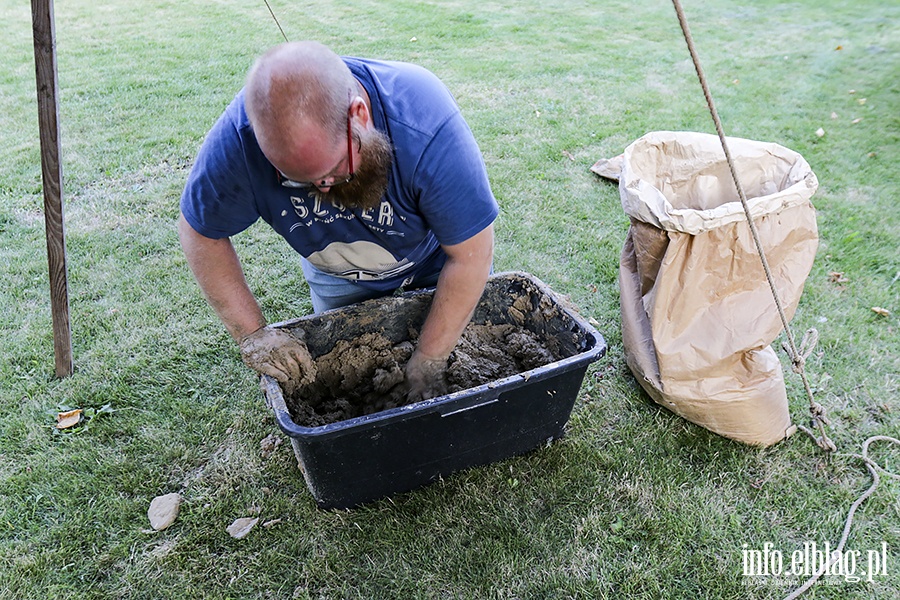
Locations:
{"points": [[633, 502]]}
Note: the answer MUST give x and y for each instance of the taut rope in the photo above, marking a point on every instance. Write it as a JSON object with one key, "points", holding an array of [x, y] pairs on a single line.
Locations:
{"points": [[276, 20], [798, 357], [816, 410]]}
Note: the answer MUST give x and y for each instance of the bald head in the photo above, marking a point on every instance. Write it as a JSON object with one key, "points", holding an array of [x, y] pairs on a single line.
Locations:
{"points": [[296, 91]]}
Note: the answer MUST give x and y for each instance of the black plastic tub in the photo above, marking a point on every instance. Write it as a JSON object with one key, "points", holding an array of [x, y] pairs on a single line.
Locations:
{"points": [[365, 458]]}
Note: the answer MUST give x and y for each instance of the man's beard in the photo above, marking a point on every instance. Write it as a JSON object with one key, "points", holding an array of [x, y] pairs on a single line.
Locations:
{"points": [[370, 180]]}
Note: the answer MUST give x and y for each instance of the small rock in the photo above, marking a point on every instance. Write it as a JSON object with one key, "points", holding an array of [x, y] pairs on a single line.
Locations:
{"points": [[164, 510], [268, 445], [241, 527]]}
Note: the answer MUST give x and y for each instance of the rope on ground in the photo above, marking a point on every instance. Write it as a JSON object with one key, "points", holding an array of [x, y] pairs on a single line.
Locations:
{"points": [[817, 411], [874, 469]]}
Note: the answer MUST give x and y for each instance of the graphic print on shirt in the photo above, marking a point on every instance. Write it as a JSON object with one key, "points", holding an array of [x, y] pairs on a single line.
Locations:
{"points": [[360, 260]]}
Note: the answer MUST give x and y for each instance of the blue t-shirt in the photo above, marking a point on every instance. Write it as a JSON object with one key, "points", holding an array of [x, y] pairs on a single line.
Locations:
{"points": [[438, 191]]}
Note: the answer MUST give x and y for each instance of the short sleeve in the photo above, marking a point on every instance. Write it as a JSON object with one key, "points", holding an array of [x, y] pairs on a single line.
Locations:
{"points": [[218, 199], [455, 194]]}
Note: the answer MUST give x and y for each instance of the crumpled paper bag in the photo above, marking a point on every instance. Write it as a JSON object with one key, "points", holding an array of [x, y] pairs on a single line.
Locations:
{"points": [[698, 315]]}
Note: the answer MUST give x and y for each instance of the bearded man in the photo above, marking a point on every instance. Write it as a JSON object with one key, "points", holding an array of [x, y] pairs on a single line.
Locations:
{"points": [[368, 170]]}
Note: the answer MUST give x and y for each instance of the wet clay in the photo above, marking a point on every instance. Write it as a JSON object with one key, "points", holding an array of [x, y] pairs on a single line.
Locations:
{"points": [[366, 374]]}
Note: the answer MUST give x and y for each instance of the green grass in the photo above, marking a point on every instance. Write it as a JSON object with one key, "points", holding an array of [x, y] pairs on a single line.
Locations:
{"points": [[633, 503]]}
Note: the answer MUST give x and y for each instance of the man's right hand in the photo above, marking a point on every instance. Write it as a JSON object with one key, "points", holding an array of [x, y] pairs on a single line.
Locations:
{"points": [[279, 354], [426, 376]]}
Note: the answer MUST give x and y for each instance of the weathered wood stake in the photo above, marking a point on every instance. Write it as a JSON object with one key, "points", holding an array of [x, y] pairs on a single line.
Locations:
{"points": [[48, 117]]}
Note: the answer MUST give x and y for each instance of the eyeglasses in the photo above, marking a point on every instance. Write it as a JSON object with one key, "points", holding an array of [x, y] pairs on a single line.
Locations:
{"points": [[322, 183]]}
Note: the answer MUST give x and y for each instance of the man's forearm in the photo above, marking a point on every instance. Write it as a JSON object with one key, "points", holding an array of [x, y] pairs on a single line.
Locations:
{"points": [[218, 272], [459, 288]]}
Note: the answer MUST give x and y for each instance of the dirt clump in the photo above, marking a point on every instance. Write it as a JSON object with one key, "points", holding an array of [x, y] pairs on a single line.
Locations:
{"points": [[365, 375]]}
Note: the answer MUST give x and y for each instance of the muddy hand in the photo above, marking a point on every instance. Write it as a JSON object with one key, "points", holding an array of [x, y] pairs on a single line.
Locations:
{"points": [[279, 354], [427, 377]]}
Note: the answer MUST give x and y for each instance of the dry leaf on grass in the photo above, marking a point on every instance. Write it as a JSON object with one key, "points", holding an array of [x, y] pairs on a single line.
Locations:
{"points": [[881, 311], [241, 527], [67, 419], [164, 510], [837, 277]]}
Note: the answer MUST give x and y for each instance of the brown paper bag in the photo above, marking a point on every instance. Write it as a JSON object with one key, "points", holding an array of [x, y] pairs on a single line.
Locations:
{"points": [[697, 311]]}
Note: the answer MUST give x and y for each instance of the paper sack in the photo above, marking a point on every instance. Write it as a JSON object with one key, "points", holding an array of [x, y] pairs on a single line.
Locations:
{"points": [[698, 315]]}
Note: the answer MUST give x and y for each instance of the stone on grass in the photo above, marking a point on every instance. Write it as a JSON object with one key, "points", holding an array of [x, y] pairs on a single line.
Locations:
{"points": [[164, 510]]}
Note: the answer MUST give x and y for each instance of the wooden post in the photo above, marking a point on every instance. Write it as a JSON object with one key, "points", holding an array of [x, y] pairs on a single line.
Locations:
{"points": [[48, 117]]}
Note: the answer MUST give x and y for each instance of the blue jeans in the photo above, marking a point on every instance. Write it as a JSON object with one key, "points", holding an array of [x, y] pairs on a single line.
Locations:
{"points": [[328, 291]]}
